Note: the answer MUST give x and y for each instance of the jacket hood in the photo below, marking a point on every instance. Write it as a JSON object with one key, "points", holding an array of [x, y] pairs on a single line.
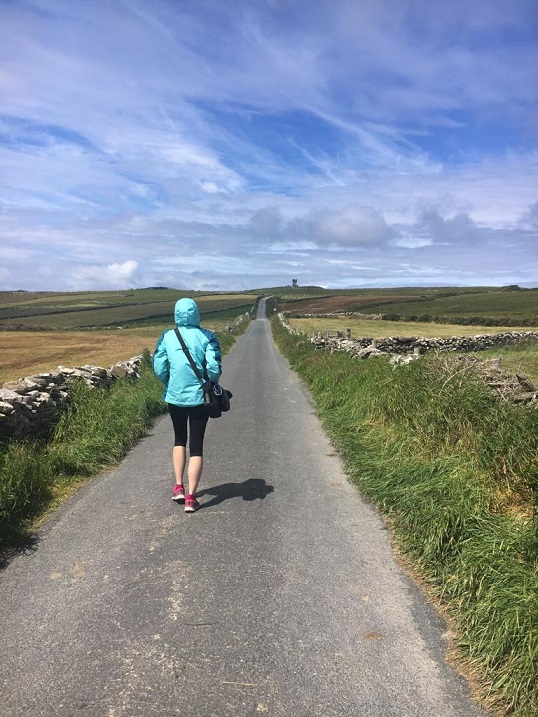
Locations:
{"points": [[186, 313]]}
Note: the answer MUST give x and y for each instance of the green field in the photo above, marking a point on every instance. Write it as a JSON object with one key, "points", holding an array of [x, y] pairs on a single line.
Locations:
{"points": [[366, 328], [481, 306], [289, 293], [99, 309], [151, 310], [497, 304], [493, 306]]}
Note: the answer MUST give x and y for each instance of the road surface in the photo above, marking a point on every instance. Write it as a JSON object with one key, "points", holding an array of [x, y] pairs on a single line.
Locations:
{"points": [[279, 596]]}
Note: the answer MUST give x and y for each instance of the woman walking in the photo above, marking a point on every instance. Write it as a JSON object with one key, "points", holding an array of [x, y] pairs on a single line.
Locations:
{"points": [[184, 394]]}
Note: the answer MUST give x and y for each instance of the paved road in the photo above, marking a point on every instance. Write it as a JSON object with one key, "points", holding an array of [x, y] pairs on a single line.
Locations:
{"points": [[279, 596]]}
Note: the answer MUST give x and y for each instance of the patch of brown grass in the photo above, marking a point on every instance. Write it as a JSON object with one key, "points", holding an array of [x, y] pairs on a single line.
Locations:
{"points": [[23, 353], [27, 352]]}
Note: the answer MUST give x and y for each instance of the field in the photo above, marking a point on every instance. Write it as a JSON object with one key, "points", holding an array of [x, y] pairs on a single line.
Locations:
{"points": [[154, 306], [27, 352], [457, 305], [137, 307], [41, 330], [381, 329]]}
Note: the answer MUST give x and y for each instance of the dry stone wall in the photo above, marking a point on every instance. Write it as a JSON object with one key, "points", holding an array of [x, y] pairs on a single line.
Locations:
{"points": [[412, 345], [30, 407], [405, 345], [401, 350]]}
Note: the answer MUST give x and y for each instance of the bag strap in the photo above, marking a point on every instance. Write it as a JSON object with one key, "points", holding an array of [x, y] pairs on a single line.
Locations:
{"points": [[188, 355]]}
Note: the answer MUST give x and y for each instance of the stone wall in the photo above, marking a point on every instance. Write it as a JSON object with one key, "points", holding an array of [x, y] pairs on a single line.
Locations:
{"points": [[413, 345], [30, 407], [405, 345], [401, 350]]}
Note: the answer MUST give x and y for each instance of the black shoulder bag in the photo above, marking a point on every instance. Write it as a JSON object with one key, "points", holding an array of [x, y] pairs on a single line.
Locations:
{"points": [[216, 398]]}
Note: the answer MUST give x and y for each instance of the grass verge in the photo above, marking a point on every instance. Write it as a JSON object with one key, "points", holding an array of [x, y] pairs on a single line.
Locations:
{"points": [[456, 473], [99, 428]]}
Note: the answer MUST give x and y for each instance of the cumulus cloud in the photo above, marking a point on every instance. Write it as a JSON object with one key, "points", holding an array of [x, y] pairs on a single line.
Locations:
{"points": [[352, 226], [452, 231], [110, 276]]}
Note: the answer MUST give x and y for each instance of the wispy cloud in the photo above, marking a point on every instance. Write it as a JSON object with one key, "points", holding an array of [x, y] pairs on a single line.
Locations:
{"points": [[212, 145]]}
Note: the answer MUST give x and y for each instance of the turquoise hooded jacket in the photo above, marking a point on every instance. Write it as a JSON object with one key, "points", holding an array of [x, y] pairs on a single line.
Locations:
{"points": [[172, 367]]}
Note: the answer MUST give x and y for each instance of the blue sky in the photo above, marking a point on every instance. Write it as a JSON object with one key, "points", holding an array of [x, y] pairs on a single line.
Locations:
{"points": [[215, 145]]}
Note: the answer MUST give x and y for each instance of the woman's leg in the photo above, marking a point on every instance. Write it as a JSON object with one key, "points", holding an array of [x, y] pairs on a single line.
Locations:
{"points": [[197, 425], [178, 461], [179, 421], [196, 465]]}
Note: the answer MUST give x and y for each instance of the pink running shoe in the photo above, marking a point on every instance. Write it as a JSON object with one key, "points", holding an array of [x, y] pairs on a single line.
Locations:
{"points": [[178, 494], [191, 504]]}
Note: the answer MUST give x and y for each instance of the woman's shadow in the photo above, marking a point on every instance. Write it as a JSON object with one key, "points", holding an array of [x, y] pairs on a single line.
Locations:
{"points": [[251, 489]]}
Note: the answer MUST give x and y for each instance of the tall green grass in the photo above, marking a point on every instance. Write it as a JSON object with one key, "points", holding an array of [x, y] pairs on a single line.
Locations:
{"points": [[97, 430], [456, 472]]}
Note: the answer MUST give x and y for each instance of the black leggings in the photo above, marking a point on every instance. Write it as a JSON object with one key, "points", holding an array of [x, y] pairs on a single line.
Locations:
{"points": [[197, 424]]}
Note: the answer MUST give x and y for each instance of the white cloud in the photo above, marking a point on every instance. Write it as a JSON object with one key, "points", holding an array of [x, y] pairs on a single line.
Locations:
{"points": [[111, 276], [273, 136], [122, 271], [451, 231], [351, 226]]}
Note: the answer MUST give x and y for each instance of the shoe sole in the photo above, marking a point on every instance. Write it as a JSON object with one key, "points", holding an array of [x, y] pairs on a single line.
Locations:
{"points": [[191, 508], [178, 499]]}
